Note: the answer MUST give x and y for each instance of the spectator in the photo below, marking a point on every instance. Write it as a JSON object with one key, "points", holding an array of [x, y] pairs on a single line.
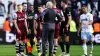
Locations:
{"points": [[11, 7], [2, 9], [95, 3], [98, 5], [2, 14], [78, 16], [7, 25], [28, 4], [95, 14], [36, 4], [74, 4], [84, 2], [78, 5], [89, 7]]}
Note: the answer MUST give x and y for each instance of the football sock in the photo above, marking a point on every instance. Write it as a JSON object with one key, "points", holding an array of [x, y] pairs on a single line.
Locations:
{"points": [[22, 47], [84, 48], [38, 47], [62, 46], [47, 47], [55, 48], [91, 48], [67, 47], [17, 47]]}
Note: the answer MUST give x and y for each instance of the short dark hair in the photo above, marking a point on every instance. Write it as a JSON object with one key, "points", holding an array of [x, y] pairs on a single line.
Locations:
{"points": [[84, 6], [40, 5], [8, 18], [19, 5], [24, 3], [65, 1]]}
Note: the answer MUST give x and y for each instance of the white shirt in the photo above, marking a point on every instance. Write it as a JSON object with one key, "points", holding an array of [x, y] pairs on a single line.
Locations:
{"points": [[85, 19], [14, 16]]}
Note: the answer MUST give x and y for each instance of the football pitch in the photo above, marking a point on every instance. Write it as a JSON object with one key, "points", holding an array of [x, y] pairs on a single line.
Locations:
{"points": [[75, 50]]}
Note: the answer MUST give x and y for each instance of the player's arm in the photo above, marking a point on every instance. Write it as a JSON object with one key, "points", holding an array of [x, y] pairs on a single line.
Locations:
{"points": [[26, 26], [42, 15], [80, 26], [35, 23], [15, 23], [69, 18], [14, 17], [62, 15], [79, 29]]}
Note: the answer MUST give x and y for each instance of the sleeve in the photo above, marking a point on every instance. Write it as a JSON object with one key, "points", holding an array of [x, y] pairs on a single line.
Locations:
{"points": [[35, 16], [42, 14], [61, 13], [14, 16], [4, 8], [68, 12]]}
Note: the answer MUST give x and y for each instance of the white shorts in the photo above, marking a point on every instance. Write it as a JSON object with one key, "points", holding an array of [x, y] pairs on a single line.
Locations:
{"points": [[86, 35]]}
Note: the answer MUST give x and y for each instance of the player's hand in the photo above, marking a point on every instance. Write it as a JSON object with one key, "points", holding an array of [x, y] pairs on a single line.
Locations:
{"points": [[35, 32], [19, 31], [78, 34], [28, 31], [67, 25], [63, 19], [41, 27], [86, 24], [67, 29]]}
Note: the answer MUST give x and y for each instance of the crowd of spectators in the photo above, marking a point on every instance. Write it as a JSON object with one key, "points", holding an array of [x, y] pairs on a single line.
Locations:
{"points": [[93, 8]]}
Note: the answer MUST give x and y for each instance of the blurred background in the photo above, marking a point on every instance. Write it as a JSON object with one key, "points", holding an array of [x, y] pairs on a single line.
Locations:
{"points": [[7, 36], [7, 7]]}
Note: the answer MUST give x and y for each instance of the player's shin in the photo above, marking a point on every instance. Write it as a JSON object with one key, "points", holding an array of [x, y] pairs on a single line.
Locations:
{"points": [[55, 46], [67, 47], [62, 46], [91, 47], [47, 45], [22, 44], [17, 47], [84, 46], [67, 44], [38, 46]]}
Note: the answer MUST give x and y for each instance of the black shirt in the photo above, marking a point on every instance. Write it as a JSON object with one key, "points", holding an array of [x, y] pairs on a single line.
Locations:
{"points": [[66, 12], [30, 21], [49, 16]]}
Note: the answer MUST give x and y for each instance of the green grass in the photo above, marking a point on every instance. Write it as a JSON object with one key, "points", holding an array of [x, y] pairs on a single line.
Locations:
{"points": [[75, 50]]}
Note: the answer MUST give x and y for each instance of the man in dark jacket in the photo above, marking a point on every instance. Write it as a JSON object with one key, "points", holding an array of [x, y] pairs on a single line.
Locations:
{"points": [[48, 17]]}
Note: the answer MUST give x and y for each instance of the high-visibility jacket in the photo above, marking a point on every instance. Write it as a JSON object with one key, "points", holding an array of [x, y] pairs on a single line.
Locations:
{"points": [[73, 26], [6, 26], [96, 27]]}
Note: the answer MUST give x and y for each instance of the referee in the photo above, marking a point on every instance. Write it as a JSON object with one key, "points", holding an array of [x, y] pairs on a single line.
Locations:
{"points": [[48, 17]]}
